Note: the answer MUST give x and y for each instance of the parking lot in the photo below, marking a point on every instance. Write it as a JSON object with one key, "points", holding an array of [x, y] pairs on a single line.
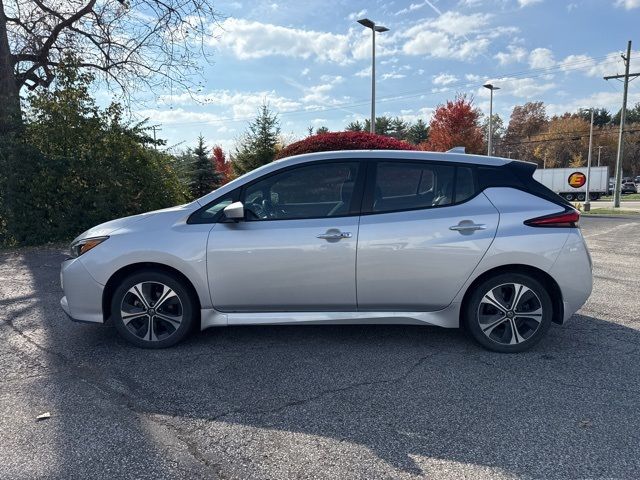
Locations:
{"points": [[322, 402]]}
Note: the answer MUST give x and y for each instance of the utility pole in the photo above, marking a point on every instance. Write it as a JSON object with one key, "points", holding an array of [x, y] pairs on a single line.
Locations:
{"points": [[154, 128], [587, 202], [599, 150], [623, 114]]}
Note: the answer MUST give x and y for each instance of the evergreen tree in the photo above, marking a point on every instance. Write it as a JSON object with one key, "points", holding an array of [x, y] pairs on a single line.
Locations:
{"points": [[322, 130], [398, 128], [418, 132], [354, 127], [204, 177], [260, 143]]}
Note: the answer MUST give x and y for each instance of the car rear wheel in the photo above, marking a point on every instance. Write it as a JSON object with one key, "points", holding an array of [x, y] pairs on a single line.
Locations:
{"points": [[152, 309], [509, 313]]}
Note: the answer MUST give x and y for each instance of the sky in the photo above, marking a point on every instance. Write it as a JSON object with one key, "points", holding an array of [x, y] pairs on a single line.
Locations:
{"points": [[310, 61]]}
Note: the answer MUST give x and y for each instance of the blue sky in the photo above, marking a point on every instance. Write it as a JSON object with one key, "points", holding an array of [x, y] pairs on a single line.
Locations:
{"points": [[310, 61]]}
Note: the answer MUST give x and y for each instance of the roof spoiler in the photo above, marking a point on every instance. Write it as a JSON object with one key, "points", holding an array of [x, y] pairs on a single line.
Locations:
{"points": [[457, 150]]}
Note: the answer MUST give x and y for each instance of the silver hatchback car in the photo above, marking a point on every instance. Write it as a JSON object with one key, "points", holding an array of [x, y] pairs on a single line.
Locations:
{"points": [[394, 237]]}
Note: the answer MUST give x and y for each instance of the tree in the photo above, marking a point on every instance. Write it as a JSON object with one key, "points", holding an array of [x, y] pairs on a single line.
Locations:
{"points": [[344, 141], [601, 116], [222, 167], [526, 120], [398, 128], [204, 177], [260, 143], [322, 130], [455, 124], [355, 127], [565, 142], [418, 132], [77, 165], [156, 42], [497, 129], [632, 115], [383, 125]]}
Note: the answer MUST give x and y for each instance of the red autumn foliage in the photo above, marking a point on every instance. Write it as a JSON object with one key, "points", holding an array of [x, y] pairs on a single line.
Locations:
{"points": [[221, 165], [325, 142], [455, 124]]}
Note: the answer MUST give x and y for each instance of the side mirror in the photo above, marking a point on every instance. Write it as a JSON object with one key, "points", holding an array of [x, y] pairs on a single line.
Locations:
{"points": [[235, 211]]}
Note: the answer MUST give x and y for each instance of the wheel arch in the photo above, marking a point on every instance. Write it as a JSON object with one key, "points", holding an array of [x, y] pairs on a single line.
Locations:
{"points": [[540, 275], [127, 270]]}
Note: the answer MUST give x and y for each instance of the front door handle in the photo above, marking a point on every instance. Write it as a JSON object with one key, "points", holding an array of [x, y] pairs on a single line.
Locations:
{"points": [[334, 235], [468, 227]]}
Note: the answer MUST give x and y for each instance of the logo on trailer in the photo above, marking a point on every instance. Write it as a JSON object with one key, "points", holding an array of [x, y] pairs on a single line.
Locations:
{"points": [[577, 179]]}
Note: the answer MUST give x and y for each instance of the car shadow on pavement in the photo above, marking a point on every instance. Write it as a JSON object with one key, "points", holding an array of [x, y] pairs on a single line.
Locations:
{"points": [[407, 395]]}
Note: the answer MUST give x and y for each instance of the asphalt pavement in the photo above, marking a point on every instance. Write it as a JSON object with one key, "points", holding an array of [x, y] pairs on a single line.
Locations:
{"points": [[321, 401]]}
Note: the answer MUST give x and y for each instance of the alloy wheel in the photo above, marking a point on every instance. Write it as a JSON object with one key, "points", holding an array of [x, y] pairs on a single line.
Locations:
{"points": [[510, 313], [152, 311]]}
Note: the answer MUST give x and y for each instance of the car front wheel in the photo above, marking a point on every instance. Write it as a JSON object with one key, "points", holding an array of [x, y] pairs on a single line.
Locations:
{"points": [[509, 313], [152, 309]]}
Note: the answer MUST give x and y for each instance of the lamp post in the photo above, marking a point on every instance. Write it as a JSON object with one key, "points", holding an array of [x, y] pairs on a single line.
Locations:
{"points": [[490, 139], [587, 203], [365, 22]]}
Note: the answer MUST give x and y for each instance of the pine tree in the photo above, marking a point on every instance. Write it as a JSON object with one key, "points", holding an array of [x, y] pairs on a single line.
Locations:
{"points": [[418, 132], [260, 143], [204, 178]]}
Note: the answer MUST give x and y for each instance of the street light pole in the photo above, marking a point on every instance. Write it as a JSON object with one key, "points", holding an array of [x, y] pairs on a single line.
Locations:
{"points": [[490, 139], [365, 22], [587, 203]]}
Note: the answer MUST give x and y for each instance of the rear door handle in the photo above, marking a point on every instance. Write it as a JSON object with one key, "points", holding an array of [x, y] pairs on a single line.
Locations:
{"points": [[334, 235], [468, 227]]}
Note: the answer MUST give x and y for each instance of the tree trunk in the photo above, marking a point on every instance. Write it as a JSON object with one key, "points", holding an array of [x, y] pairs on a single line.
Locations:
{"points": [[10, 114]]}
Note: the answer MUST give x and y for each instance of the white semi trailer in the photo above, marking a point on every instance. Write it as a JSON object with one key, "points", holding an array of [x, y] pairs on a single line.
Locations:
{"points": [[571, 183]]}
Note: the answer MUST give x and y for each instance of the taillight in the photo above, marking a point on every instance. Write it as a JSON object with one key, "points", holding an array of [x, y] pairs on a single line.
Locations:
{"points": [[568, 218]]}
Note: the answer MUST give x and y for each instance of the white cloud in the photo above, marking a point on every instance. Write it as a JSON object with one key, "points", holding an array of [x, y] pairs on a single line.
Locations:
{"points": [[513, 54], [472, 77], [448, 36], [628, 4], [526, 3], [444, 79], [305, 72], [529, 88], [541, 58], [250, 39], [392, 75], [357, 15], [411, 8], [241, 104], [365, 72]]}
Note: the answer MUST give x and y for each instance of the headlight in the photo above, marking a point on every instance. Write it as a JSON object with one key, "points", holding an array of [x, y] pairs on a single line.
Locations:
{"points": [[84, 245]]}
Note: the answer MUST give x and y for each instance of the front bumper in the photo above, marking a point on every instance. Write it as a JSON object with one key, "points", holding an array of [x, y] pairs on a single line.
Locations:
{"points": [[82, 299]]}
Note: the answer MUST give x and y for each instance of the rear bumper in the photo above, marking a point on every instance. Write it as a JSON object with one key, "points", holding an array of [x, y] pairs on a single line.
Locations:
{"points": [[82, 300], [572, 271]]}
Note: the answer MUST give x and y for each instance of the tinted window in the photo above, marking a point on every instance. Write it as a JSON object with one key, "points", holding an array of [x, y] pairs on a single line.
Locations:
{"points": [[320, 190], [406, 186], [465, 186]]}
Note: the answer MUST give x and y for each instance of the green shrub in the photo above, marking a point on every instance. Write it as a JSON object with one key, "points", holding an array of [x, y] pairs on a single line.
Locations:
{"points": [[76, 165]]}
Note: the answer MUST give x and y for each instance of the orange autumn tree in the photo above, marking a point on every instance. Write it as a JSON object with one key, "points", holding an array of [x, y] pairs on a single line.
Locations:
{"points": [[221, 165], [455, 124]]}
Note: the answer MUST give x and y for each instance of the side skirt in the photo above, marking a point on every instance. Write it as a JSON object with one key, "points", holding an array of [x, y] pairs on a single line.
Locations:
{"points": [[447, 317]]}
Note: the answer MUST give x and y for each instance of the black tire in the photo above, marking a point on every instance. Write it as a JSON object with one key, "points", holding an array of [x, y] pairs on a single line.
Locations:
{"points": [[165, 333], [478, 317], [569, 196], [581, 197]]}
